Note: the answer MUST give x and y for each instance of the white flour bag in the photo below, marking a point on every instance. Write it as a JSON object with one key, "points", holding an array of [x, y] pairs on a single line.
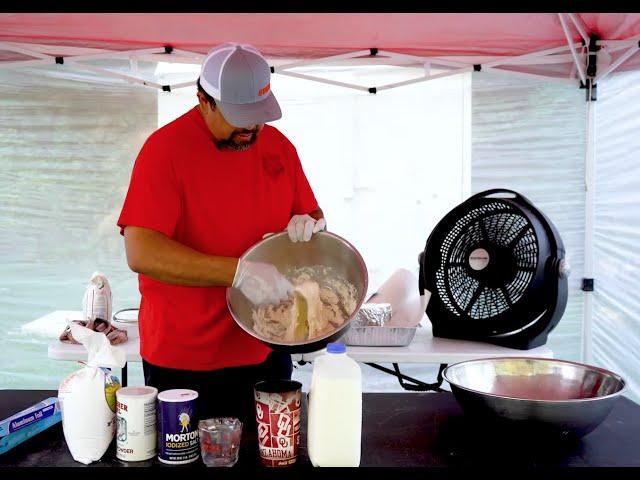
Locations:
{"points": [[88, 397]]}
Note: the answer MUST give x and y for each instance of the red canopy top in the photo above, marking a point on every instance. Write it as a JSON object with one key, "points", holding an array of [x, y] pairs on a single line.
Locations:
{"points": [[309, 35], [313, 35]]}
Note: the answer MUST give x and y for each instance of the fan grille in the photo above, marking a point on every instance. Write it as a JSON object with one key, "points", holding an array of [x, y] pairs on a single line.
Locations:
{"points": [[500, 225]]}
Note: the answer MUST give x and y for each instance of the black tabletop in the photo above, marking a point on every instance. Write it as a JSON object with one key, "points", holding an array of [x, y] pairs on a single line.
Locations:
{"points": [[405, 430]]}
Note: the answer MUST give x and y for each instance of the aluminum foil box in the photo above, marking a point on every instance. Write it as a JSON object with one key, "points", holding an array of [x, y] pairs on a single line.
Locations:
{"points": [[25, 424]]}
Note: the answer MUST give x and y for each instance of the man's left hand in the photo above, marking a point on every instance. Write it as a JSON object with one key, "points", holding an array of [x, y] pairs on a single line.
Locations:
{"points": [[301, 227]]}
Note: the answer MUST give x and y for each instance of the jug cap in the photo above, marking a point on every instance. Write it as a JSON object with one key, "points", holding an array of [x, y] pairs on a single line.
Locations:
{"points": [[336, 348]]}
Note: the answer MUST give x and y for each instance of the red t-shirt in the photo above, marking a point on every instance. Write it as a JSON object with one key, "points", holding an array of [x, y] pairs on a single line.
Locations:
{"points": [[219, 203]]}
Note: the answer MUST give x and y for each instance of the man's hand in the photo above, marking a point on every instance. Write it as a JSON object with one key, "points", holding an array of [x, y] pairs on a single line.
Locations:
{"points": [[301, 227], [261, 283]]}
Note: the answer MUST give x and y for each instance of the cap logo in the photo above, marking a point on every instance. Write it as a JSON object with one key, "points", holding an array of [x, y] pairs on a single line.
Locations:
{"points": [[264, 89]]}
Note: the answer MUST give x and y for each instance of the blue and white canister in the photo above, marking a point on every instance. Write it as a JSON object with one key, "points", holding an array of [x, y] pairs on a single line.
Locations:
{"points": [[178, 440]]}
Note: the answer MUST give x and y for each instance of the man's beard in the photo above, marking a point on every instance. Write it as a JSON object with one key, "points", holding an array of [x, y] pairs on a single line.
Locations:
{"points": [[234, 146]]}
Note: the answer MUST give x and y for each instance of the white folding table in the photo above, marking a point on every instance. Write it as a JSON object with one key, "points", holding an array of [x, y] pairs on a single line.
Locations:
{"points": [[73, 352], [425, 348]]}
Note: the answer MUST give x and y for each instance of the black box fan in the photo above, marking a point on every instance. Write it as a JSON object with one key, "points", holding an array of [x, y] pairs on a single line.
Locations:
{"points": [[496, 271]]}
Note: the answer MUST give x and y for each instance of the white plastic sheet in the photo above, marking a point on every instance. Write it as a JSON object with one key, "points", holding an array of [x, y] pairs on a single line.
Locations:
{"points": [[616, 304], [66, 152], [529, 136]]}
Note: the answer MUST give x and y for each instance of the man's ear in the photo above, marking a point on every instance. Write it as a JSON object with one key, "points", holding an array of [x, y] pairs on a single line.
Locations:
{"points": [[203, 101]]}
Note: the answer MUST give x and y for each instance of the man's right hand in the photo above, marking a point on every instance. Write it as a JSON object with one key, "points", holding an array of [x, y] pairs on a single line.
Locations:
{"points": [[261, 283]]}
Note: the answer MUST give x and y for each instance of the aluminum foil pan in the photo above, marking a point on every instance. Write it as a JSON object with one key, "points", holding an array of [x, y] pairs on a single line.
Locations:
{"points": [[379, 336], [372, 315]]}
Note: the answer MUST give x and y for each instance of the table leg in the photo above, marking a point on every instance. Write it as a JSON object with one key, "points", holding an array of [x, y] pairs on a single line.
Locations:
{"points": [[124, 375], [414, 385]]}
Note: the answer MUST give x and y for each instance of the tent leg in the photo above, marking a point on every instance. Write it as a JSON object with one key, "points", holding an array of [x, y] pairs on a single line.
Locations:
{"points": [[587, 325]]}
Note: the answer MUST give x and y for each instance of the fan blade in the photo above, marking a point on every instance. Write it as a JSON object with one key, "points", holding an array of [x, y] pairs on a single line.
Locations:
{"points": [[506, 295], [526, 269], [521, 233], [474, 297], [483, 230]]}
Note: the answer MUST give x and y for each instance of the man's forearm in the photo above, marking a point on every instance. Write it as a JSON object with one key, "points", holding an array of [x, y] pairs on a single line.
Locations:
{"points": [[162, 258]]}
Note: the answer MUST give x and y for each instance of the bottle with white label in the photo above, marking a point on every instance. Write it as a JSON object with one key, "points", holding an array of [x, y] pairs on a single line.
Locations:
{"points": [[334, 427]]}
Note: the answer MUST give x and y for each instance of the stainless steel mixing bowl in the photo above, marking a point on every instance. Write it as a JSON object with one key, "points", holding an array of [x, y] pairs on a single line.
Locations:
{"points": [[553, 395], [324, 248]]}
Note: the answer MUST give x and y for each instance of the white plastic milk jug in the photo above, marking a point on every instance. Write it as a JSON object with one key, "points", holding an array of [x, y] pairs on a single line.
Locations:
{"points": [[335, 410]]}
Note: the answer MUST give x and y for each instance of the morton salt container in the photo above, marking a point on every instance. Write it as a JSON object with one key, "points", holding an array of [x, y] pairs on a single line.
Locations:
{"points": [[136, 426], [335, 410], [178, 440]]}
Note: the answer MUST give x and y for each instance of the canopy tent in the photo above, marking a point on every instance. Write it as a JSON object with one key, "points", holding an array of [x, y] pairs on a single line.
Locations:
{"points": [[554, 45], [580, 49]]}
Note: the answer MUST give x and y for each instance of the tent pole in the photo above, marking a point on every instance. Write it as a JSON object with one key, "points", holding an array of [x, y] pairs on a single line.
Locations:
{"points": [[110, 73], [316, 61], [527, 56], [12, 47], [28, 63], [183, 84], [583, 77], [187, 53], [47, 49], [577, 22], [321, 80], [589, 186], [368, 54], [434, 60], [427, 69], [626, 42], [116, 54], [623, 58], [546, 60], [589, 201], [528, 75], [450, 73]]}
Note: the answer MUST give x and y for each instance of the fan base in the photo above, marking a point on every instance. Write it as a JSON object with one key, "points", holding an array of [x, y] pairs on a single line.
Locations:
{"points": [[517, 341]]}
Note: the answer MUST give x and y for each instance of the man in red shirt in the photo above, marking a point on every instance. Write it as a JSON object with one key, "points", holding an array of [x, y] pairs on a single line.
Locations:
{"points": [[205, 188]]}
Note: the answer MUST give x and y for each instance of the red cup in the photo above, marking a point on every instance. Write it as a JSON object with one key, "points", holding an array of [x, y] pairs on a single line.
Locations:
{"points": [[278, 421]]}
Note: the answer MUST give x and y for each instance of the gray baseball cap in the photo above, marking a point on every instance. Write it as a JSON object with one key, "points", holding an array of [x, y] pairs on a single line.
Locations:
{"points": [[239, 79]]}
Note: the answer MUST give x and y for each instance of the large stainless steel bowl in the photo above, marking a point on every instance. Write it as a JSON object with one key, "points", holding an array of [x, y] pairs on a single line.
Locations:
{"points": [[553, 395], [324, 248]]}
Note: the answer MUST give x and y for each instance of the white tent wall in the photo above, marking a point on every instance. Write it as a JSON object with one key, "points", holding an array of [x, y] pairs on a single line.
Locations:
{"points": [[528, 135], [616, 299], [66, 152]]}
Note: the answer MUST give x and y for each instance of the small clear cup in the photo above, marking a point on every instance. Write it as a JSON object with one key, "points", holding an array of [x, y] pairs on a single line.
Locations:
{"points": [[220, 441]]}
